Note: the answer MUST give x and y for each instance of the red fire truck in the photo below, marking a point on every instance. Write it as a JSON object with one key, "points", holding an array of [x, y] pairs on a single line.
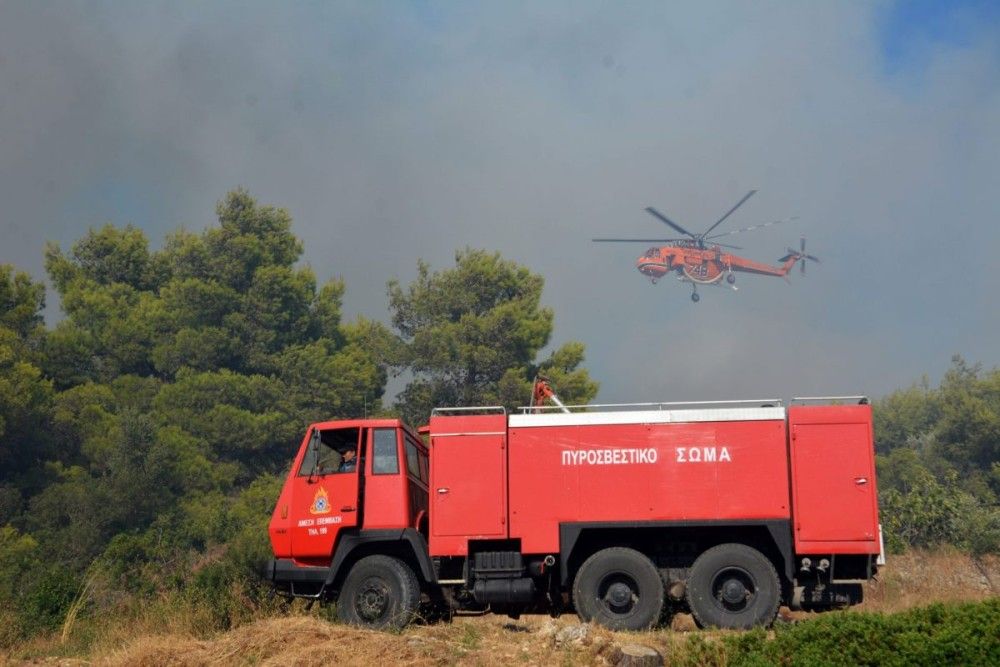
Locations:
{"points": [[623, 513]]}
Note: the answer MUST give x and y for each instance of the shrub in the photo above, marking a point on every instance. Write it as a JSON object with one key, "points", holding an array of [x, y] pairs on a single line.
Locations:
{"points": [[954, 634]]}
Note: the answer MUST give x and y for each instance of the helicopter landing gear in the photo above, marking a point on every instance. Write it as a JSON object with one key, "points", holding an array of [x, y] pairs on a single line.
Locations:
{"points": [[694, 295], [731, 279]]}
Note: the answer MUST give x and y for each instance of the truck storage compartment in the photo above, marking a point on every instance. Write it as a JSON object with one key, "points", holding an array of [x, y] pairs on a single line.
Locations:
{"points": [[681, 465], [468, 481], [834, 505]]}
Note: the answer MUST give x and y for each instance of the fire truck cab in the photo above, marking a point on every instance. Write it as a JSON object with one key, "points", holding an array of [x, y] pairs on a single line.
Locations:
{"points": [[623, 513]]}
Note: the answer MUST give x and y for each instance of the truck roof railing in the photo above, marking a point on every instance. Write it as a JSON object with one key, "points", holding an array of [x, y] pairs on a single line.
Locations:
{"points": [[475, 409], [663, 405], [859, 400]]}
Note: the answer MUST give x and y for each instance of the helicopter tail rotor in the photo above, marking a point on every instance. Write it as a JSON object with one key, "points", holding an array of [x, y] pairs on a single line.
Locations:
{"points": [[800, 256]]}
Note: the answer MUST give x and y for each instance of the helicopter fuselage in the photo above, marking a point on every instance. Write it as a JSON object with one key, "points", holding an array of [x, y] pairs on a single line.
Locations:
{"points": [[700, 260], [704, 266]]}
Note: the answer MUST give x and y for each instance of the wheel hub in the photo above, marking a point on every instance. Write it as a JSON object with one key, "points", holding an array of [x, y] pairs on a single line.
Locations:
{"points": [[619, 595], [372, 600], [734, 591]]}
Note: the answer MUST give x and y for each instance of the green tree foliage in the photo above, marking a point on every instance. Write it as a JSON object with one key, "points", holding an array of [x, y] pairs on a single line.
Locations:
{"points": [[918, 510], [25, 395], [146, 432], [21, 303], [969, 429], [472, 335], [230, 297], [19, 554], [24, 400], [905, 417], [223, 312], [939, 477]]}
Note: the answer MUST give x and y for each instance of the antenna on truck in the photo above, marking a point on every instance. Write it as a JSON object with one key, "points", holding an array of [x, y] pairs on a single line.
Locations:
{"points": [[543, 390]]}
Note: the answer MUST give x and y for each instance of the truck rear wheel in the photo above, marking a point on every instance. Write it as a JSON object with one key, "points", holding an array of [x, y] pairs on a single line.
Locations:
{"points": [[733, 586], [620, 589], [379, 592]]}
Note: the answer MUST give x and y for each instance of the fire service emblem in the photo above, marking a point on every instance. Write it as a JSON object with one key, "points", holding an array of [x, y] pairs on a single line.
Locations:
{"points": [[321, 503]]}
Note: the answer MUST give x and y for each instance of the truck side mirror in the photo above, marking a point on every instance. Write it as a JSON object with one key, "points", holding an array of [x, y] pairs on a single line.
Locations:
{"points": [[314, 441]]}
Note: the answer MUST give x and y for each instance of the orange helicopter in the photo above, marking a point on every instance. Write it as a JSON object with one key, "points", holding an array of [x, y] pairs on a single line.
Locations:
{"points": [[700, 260]]}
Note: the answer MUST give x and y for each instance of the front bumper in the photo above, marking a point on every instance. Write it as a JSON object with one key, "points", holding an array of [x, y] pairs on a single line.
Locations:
{"points": [[298, 580]]}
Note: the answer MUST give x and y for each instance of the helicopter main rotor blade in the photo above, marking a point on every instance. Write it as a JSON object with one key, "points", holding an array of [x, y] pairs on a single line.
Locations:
{"points": [[729, 213], [656, 214], [752, 227], [637, 240], [721, 245]]}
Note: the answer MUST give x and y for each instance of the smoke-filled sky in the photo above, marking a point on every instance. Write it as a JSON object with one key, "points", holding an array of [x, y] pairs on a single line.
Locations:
{"points": [[393, 131]]}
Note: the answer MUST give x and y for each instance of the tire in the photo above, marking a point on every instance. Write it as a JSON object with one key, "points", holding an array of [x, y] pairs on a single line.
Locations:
{"points": [[733, 586], [620, 589], [379, 592]]}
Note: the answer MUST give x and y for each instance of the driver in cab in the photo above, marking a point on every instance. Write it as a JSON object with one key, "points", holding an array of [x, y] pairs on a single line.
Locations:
{"points": [[348, 461], [336, 459]]}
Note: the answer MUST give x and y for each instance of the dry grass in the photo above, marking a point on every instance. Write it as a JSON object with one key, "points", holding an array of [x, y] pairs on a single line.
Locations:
{"points": [[920, 577], [305, 640], [162, 638]]}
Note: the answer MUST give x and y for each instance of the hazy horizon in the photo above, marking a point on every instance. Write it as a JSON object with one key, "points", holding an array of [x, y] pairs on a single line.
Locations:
{"points": [[394, 131]]}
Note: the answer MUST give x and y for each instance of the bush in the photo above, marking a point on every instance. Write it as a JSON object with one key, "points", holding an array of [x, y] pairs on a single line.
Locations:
{"points": [[954, 634], [923, 508], [44, 605]]}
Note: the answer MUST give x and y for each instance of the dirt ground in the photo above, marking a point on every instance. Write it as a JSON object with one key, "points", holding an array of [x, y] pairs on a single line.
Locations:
{"points": [[910, 580]]}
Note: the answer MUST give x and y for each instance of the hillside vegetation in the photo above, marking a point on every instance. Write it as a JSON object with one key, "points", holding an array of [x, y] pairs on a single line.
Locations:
{"points": [[895, 625], [955, 634], [143, 438], [939, 461]]}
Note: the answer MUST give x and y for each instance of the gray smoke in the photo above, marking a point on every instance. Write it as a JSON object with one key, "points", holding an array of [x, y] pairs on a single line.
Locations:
{"points": [[396, 131]]}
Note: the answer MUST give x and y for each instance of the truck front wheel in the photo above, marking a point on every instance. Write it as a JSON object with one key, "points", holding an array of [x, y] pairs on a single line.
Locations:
{"points": [[733, 586], [620, 589], [379, 592]]}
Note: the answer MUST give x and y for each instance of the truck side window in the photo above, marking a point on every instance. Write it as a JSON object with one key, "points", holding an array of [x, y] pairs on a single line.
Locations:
{"points": [[386, 460], [413, 462], [411, 459], [328, 457]]}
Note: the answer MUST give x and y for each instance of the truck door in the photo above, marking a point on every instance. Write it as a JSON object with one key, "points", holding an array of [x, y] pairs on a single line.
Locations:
{"points": [[833, 478], [468, 481], [325, 495]]}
